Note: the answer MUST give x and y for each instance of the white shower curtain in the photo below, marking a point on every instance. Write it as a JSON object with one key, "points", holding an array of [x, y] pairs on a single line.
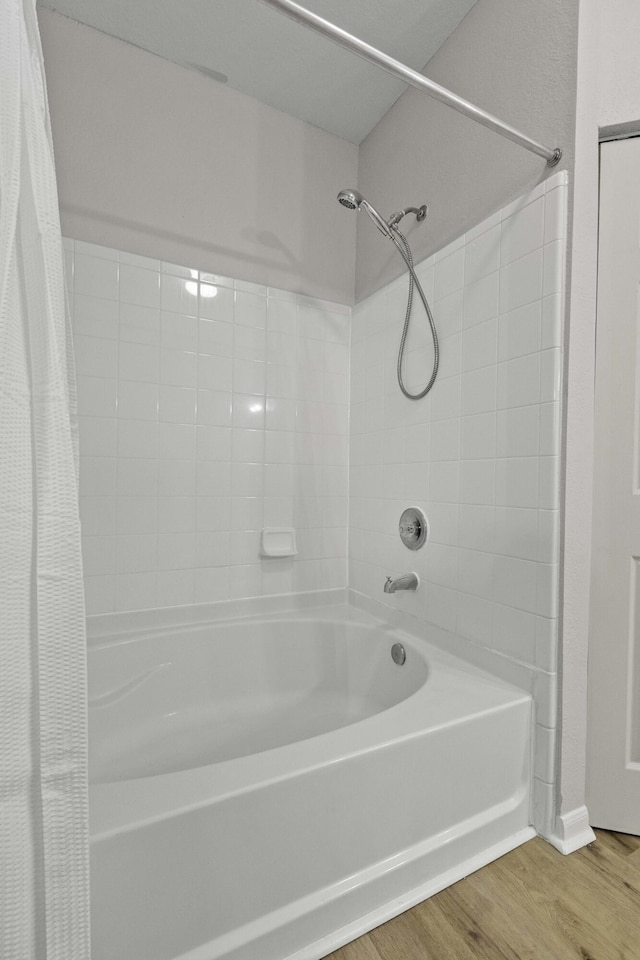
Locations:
{"points": [[43, 793]]}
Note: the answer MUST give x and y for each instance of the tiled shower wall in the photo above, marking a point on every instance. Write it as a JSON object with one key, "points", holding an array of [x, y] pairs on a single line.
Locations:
{"points": [[209, 408], [480, 454]]}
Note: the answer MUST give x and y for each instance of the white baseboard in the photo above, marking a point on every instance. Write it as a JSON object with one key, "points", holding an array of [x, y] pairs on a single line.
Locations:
{"points": [[572, 831]]}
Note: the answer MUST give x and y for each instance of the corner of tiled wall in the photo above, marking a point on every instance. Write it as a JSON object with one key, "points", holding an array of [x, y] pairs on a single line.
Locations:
{"points": [[480, 454], [209, 408]]}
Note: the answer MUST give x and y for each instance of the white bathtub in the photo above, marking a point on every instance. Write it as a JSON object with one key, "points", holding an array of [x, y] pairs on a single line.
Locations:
{"points": [[270, 790]]}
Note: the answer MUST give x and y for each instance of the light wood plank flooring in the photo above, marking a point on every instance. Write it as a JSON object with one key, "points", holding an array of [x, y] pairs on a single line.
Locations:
{"points": [[532, 904]]}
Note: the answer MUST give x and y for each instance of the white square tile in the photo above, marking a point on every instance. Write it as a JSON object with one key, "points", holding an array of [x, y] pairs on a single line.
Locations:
{"points": [[249, 376], [449, 274], [137, 401], [137, 514], [220, 307], [98, 515], [245, 580], [519, 381], [138, 361], [96, 396], [520, 331], [476, 527], [97, 477], [521, 282], [517, 482], [214, 479], [448, 314], [475, 573], [95, 317], [140, 286], [97, 436], [213, 548], [482, 255], [100, 594], [135, 553], [178, 367], [281, 316], [479, 391], [176, 551], [249, 343], [248, 445], [180, 332], [137, 478], [480, 300], [478, 436], [98, 555], [515, 583], [522, 232], [178, 404], [246, 513], [179, 295], [477, 481], [516, 532], [211, 584], [176, 587], [176, 441], [213, 443], [213, 513], [310, 321], [277, 577], [250, 310], [518, 432], [247, 479], [480, 346], [248, 411], [215, 373], [136, 591], [555, 214], [96, 356], [177, 478], [138, 324], [95, 276], [554, 259], [137, 438], [552, 316]]}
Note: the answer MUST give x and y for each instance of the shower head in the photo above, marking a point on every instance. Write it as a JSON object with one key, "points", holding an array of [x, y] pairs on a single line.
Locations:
{"points": [[353, 200], [350, 199]]}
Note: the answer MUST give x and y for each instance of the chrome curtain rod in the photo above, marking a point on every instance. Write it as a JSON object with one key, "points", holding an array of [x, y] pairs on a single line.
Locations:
{"points": [[327, 29]]}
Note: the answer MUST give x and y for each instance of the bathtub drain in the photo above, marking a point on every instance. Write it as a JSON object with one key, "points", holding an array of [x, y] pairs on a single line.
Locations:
{"points": [[398, 654]]}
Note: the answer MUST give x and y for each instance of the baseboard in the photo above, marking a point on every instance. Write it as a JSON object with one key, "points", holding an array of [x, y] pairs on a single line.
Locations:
{"points": [[572, 831]]}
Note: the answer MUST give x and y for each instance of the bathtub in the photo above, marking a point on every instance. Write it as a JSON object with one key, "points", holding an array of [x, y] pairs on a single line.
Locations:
{"points": [[272, 789]]}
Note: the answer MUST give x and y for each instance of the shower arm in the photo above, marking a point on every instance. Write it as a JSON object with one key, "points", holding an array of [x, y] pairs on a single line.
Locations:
{"points": [[397, 69]]}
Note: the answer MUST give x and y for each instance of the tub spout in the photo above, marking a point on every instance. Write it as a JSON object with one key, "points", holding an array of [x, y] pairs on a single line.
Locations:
{"points": [[409, 581]]}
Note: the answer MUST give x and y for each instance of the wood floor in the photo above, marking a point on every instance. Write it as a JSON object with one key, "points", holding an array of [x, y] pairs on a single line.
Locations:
{"points": [[532, 904]]}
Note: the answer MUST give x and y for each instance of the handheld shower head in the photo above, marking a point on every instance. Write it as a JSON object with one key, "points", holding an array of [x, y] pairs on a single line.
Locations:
{"points": [[353, 200], [350, 199]]}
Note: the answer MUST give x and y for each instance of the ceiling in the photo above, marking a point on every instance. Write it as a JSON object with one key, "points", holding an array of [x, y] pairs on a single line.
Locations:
{"points": [[258, 51]]}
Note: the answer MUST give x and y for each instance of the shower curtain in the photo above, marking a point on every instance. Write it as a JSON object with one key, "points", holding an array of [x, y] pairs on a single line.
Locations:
{"points": [[43, 791]]}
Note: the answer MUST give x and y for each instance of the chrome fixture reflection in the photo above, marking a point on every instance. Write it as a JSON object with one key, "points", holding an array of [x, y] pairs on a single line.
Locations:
{"points": [[409, 581], [353, 200]]}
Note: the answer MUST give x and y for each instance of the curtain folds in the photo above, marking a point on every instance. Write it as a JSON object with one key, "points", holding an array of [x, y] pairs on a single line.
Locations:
{"points": [[44, 886]]}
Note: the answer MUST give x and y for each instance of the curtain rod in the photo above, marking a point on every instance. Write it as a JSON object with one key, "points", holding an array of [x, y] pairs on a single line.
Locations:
{"points": [[397, 69]]}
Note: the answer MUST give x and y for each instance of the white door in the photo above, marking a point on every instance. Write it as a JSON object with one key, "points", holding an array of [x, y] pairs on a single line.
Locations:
{"points": [[613, 752]]}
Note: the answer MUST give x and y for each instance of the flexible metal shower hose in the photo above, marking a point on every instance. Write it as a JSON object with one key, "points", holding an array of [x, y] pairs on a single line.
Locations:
{"points": [[405, 252]]}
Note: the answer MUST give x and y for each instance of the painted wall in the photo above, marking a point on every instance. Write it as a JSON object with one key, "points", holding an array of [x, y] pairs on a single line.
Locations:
{"points": [[514, 58], [160, 161], [618, 64], [608, 101], [204, 418], [480, 454]]}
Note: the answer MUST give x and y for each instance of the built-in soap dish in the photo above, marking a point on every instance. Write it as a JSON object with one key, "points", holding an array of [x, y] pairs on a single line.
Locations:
{"points": [[278, 542]]}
